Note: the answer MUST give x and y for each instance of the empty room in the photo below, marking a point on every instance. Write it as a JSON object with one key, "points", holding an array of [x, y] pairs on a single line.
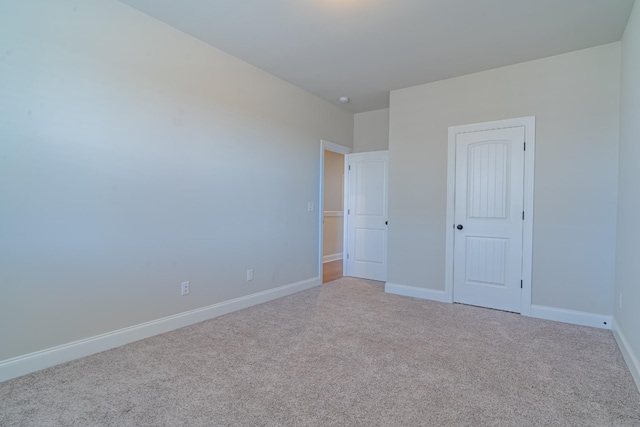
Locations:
{"points": [[319, 213]]}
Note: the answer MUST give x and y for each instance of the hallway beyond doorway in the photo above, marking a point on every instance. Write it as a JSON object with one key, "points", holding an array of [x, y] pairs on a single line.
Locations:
{"points": [[331, 271]]}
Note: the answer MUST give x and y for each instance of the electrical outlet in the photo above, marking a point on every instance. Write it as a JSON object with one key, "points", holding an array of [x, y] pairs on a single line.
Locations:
{"points": [[249, 275], [184, 288]]}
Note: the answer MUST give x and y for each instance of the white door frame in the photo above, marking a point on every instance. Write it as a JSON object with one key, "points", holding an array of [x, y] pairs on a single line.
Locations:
{"points": [[529, 124], [336, 148]]}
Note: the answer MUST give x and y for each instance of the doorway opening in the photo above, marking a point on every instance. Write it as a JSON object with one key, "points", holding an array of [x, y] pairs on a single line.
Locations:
{"points": [[333, 217], [333, 194]]}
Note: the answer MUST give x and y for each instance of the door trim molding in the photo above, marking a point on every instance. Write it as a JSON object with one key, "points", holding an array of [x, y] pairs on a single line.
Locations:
{"points": [[336, 148], [529, 124]]}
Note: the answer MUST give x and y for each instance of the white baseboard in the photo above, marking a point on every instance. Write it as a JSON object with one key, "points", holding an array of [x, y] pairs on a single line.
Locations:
{"points": [[538, 311], [331, 258], [629, 356], [413, 291], [570, 316], [22, 365]]}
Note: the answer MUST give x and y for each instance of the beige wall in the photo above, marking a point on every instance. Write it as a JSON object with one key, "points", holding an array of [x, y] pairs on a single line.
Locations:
{"points": [[134, 157], [371, 131], [333, 181], [575, 98], [333, 232], [628, 248]]}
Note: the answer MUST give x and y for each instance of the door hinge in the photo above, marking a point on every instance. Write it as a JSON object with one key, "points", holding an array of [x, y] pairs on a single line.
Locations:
{"points": [[349, 167], [523, 215], [525, 146], [520, 284], [348, 211], [347, 256]]}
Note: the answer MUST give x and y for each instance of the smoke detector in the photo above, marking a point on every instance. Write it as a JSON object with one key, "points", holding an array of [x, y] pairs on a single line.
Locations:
{"points": [[344, 100]]}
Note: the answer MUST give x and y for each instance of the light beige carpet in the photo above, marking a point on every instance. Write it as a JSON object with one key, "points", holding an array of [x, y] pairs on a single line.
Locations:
{"points": [[340, 355]]}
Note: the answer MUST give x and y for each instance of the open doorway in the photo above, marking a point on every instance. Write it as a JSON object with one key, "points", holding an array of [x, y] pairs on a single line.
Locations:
{"points": [[332, 212], [333, 217]]}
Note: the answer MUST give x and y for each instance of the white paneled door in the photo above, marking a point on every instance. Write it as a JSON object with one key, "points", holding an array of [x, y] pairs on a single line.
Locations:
{"points": [[489, 212], [367, 215]]}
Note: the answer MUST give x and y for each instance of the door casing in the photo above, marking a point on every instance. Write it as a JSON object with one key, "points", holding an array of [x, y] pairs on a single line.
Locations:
{"points": [[527, 238]]}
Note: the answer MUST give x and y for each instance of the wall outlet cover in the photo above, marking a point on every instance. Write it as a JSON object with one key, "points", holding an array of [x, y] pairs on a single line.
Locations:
{"points": [[184, 288]]}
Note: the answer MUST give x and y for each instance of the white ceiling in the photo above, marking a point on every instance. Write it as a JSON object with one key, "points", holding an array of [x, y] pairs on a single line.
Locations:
{"points": [[365, 48]]}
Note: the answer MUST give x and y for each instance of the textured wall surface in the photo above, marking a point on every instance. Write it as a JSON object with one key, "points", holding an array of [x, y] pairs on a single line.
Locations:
{"points": [[134, 157], [627, 299], [575, 99]]}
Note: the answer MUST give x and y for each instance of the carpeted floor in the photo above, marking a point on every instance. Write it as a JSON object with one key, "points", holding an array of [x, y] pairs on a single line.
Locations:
{"points": [[340, 355]]}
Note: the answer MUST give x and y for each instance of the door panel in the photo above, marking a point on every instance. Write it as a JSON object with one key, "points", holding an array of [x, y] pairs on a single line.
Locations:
{"points": [[487, 176], [367, 215], [488, 218], [486, 261], [369, 245], [370, 177]]}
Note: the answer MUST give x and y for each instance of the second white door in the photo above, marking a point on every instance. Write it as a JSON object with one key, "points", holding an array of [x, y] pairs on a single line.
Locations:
{"points": [[367, 215], [489, 218]]}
